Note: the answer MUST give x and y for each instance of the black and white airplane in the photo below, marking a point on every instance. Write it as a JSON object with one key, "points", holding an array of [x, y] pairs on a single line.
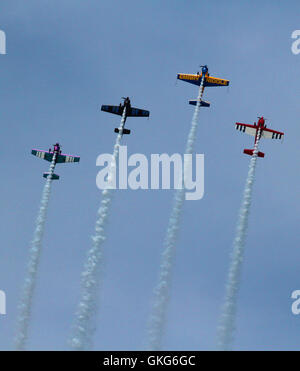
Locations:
{"points": [[130, 112]]}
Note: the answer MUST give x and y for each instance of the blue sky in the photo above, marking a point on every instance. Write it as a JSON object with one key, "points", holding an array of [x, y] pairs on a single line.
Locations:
{"points": [[66, 58]]}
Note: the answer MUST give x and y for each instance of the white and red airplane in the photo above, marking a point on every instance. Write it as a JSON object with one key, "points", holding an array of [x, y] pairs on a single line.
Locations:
{"points": [[258, 130]]}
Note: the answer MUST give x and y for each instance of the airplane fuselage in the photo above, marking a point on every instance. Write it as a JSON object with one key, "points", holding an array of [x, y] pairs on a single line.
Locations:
{"points": [[56, 151], [126, 105], [261, 124]]}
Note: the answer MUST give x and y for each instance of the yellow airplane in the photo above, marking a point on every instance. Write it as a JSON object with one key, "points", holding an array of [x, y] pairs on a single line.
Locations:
{"points": [[208, 81]]}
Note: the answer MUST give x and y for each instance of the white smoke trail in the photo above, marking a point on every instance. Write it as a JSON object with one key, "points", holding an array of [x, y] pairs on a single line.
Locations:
{"points": [[157, 319], [25, 306], [228, 316], [84, 324]]}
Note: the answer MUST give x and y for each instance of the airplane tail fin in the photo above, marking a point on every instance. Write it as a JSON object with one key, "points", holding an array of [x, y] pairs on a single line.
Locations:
{"points": [[250, 153], [54, 176], [125, 131], [203, 103]]}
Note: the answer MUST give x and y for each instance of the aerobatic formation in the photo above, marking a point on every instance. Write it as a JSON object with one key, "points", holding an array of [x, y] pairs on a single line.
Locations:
{"points": [[84, 324]]}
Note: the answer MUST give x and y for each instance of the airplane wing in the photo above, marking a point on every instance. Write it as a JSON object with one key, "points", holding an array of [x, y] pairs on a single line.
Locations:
{"points": [[191, 78], [196, 79], [117, 110], [136, 112], [42, 154], [67, 158], [246, 128], [215, 81], [271, 134]]}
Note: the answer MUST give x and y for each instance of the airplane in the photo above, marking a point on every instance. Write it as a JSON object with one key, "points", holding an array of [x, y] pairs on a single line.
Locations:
{"points": [[195, 79], [59, 158], [258, 130], [130, 112]]}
